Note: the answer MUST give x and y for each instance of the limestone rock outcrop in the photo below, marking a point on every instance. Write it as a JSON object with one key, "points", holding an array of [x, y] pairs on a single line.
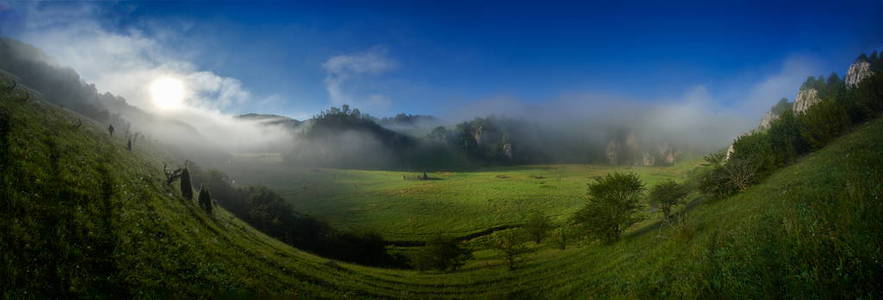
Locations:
{"points": [[767, 120], [730, 151], [858, 71], [806, 98]]}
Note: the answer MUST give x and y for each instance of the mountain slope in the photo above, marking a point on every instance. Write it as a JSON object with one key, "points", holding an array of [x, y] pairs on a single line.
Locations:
{"points": [[82, 215]]}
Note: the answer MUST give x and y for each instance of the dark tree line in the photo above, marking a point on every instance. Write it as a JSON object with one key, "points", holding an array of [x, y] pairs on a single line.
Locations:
{"points": [[268, 212]]}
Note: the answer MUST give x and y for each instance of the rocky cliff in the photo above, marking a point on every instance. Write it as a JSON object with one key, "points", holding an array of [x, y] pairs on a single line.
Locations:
{"points": [[767, 120], [625, 148], [857, 72], [806, 98]]}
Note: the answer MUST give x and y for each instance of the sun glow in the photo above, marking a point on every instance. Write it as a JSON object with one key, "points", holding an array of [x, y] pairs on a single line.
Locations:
{"points": [[167, 92]]}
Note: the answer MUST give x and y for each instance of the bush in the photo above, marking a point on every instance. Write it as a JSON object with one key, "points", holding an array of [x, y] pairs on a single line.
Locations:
{"points": [[442, 254], [724, 180], [613, 202], [741, 174], [666, 195]]}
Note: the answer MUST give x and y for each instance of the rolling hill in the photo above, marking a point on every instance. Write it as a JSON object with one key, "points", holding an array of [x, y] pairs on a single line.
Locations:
{"points": [[83, 216]]}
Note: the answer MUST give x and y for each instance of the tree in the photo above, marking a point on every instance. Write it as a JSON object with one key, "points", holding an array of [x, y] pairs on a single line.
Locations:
{"points": [[205, 200], [781, 107], [785, 140], [666, 195], [741, 174], [439, 134], [716, 183], [612, 205], [186, 187], [513, 245], [442, 254], [823, 122], [537, 226], [171, 176]]}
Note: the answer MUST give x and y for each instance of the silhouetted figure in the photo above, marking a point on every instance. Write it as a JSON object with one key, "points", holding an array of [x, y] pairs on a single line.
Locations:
{"points": [[110, 129]]}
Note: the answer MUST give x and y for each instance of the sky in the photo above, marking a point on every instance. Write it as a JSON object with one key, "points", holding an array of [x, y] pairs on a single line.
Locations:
{"points": [[453, 58]]}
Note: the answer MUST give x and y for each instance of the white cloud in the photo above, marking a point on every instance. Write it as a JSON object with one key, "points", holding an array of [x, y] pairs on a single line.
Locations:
{"points": [[124, 61], [784, 83], [342, 70]]}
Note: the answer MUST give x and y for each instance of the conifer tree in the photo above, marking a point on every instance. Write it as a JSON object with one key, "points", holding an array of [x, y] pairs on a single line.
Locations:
{"points": [[186, 188], [205, 199]]}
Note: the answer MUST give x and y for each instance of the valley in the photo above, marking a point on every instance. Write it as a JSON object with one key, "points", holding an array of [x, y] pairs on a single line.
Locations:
{"points": [[401, 206]]}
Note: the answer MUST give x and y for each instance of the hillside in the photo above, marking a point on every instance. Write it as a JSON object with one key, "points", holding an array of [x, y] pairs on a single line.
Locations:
{"points": [[84, 216]]}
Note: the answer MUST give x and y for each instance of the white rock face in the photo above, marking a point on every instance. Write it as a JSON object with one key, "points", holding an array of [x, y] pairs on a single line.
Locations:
{"points": [[858, 71], [649, 159], [767, 120], [806, 99], [730, 151]]}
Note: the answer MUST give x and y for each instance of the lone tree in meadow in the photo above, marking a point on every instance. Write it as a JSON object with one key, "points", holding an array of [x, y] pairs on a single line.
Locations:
{"points": [[442, 254], [666, 195], [205, 200], [537, 226], [612, 206], [512, 244], [186, 187]]}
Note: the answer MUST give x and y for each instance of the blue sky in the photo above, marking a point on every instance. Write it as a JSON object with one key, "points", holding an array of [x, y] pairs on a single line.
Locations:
{"points": [[436, 57]]}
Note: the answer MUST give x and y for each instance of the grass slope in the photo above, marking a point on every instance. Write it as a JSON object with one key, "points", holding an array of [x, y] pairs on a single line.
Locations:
{"points": [[80, 211]]}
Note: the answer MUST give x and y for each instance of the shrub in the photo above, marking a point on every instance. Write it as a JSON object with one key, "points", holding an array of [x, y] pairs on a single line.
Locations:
{"points": [[741, 174], [613, 202], [715, 183], [666, 195], [442, 254], [736, 175]]}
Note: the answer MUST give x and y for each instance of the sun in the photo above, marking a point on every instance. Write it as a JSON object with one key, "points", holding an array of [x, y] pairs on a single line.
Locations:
{"points": [[167, 92]]}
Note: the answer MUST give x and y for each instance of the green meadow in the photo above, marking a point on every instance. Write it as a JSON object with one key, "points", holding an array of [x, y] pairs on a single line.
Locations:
{"points": [[400, 206]]}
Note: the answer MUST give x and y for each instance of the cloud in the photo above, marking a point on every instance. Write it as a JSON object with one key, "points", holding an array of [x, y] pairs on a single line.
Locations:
{"points": [[124, 61], [343, 70], [784, 83]]}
